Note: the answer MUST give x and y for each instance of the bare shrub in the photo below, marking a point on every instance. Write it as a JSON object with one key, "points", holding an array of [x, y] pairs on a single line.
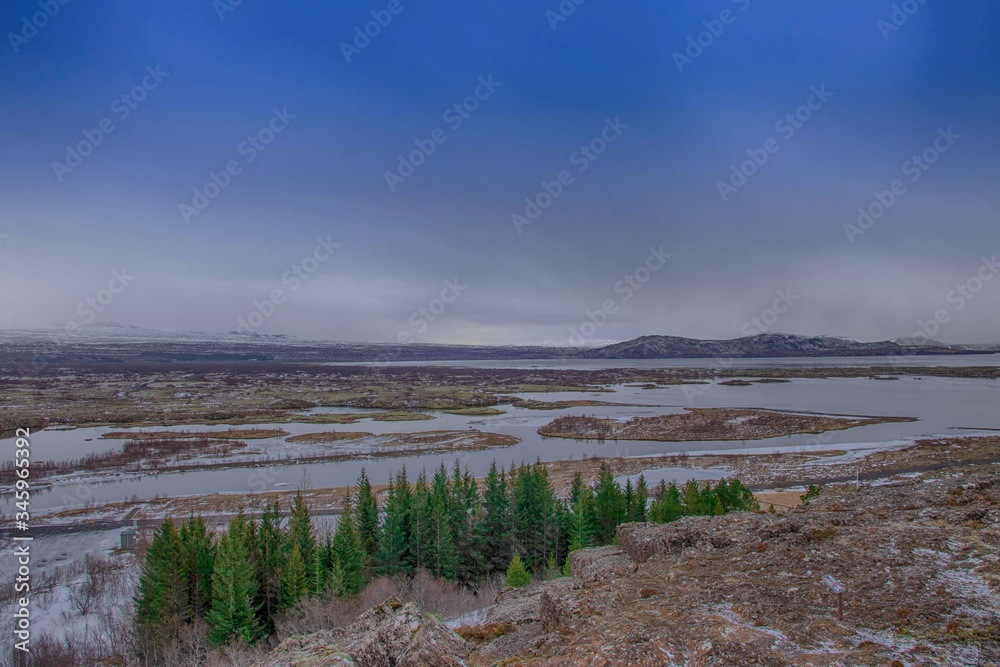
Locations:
{"points": [[446, 598], [110, 639], [234, 655], [378, 591], [107, 635], [191, 648], [97, 572], [434, 596], [50, 651]]}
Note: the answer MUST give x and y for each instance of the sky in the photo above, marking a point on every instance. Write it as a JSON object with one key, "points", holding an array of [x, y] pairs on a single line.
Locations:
{"points": [[517, 172]]}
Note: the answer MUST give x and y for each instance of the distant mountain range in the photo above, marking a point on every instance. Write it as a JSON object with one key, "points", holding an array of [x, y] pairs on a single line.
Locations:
{"points": [[118, 344], [761, 345]]}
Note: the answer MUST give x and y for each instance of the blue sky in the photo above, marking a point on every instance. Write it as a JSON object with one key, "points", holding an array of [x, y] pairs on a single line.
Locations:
{"points": [[657, 184]]}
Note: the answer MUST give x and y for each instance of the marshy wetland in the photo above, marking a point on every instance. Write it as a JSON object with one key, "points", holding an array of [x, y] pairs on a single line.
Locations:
{"points": [[156, 433]]}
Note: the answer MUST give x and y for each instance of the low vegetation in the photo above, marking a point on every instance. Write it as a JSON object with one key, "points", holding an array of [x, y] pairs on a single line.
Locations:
{"points": [[326, 436], [481, 634], [243, 393], [355, 417], [476, 412], [704, 424], [133, 456], [231, 434]]}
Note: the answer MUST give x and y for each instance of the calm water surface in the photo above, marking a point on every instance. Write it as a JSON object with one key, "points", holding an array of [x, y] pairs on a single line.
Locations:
{"points": [[944, 407]]}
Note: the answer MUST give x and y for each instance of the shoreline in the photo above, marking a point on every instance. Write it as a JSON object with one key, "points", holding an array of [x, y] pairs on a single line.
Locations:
{"points": [[762, 472]]}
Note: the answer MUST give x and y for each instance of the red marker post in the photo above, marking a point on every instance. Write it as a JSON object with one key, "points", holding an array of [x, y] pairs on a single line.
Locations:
{"points": [[839, 589]]}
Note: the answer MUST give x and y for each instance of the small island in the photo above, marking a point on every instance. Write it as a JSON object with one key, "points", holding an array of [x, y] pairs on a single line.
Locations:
{"points": [[706, 424]]}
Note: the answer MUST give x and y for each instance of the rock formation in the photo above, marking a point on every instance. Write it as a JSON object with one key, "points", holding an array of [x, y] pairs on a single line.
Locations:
{"points": [[918, 557]]}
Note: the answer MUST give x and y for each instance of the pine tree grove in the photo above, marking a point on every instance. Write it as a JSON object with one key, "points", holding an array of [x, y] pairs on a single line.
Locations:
{"points": [[510, 524]]}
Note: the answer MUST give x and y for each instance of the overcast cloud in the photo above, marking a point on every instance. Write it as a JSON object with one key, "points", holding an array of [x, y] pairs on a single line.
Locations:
{"points": [[592, 122]]}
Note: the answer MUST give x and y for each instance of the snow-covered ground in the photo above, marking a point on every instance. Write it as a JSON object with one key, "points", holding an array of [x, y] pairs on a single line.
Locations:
{"points": [[81, 589]]}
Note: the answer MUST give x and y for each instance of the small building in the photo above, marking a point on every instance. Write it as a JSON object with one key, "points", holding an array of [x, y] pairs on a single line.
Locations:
{"points": [[128, 539]]}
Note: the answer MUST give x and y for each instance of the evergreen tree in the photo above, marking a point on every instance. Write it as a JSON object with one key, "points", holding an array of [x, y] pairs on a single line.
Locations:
{"points": [[367, 519], [517, 576], [420, 524], [554, 513], [628, 500], [271, 541], [176, 594], [162, 599], [199, 561], [349, 554], [639, 507], [709, 502], [494, 529], [300, 530], [148, 593], [576, 489], [331, 566], [440, 484], [234, 588], [583, 522], [717, 509], [393, 553], [443, 557], [535, 519], [742, 498], [295, 579], [319, 574], [255, 562], [466, 514], [609, 506], [517, 526], [812, 492], [441, 495], [722, 495], [667, 506], [693, 499], [552, 569]]}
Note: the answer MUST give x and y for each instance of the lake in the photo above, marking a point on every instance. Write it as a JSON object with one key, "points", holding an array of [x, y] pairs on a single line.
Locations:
{"points": [[944, 407]]}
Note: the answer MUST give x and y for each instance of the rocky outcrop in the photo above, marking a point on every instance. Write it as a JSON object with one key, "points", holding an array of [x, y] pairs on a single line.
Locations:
{"points": [[389, 635], [920, 559]]}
